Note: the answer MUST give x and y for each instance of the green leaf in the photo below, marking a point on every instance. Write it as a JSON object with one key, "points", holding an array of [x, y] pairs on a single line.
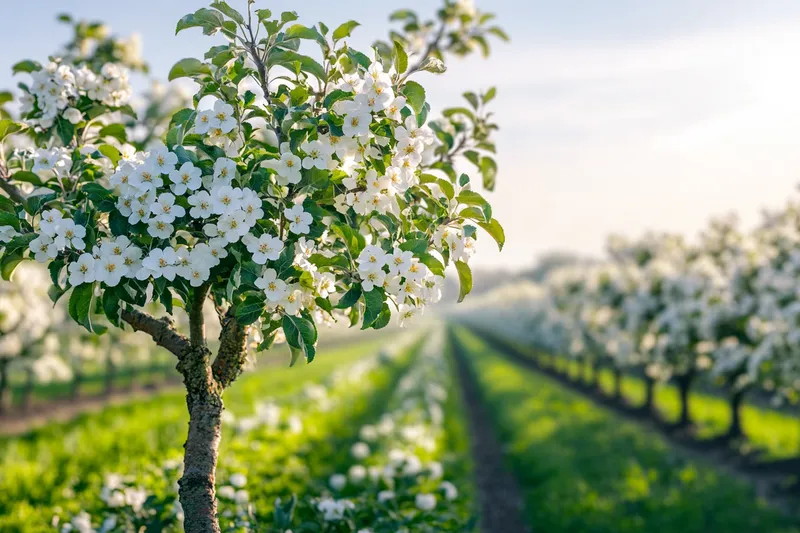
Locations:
{"points": [[228, 11], [489, 96], [374, 305], [65, 130], [33, 204], [80, 305], [9, 263], [188, 67], [350, 297], [19, 243], [415, 96], [433, 264], [249, 310], [110, 152], [9, 127], [287, 58], [26, 66], [301, 334], [489, 173], [344, 30], [211, 21], [450, 112], [383, 319], [111, 305], [447, 188], [28, 177], [464, 278], [335, 96], [400, 58], [288, 16], [494, 229], [434, 65], [468, 197], [298, 31], [118, 223], [115, 130], [9, 219], [416, 246], [352, 238], [472, 98], [499, 33]]}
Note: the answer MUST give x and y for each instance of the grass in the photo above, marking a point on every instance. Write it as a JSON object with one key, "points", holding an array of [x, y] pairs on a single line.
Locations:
{"points": [[63, 464], [775, 434], [585, 470]]}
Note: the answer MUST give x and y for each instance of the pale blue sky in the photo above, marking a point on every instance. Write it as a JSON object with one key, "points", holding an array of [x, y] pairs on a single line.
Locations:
{"points": [[616, 115]]}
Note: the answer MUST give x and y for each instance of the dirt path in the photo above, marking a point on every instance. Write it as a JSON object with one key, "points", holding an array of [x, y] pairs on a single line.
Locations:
{"points": [[64, 410], [498, 492]]}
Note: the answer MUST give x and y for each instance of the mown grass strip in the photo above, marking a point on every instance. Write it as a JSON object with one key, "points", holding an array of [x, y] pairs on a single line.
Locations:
{"points": [[774, 434], [583, 469]]}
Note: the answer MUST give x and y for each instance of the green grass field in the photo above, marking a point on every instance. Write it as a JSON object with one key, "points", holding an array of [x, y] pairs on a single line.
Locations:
{"points": [[583, 469], [774, 433], [61, 467]]}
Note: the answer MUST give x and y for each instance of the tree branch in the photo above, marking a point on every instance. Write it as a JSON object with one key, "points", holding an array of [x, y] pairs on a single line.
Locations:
{"points": [[11, 190], [432, 46], [232, 353], [161, 330]]}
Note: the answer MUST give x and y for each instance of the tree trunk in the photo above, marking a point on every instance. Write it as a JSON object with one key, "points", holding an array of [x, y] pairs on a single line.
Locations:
{"points": [[109, 377], [684, 387], [27, 391], [594, 382], [735, 430], [197, 486], [77, 379], [649, 393], [5, 387], [617, 384]]}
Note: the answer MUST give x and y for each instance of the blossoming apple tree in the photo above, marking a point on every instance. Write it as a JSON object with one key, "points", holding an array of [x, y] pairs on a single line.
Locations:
{"points": [[324, 193]]}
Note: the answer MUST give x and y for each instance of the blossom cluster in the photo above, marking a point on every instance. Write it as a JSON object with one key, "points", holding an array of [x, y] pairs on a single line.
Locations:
{"points": [[57, 88]]}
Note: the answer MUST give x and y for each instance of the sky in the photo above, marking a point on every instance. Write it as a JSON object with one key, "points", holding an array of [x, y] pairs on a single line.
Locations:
{"points": [[616, 116]]}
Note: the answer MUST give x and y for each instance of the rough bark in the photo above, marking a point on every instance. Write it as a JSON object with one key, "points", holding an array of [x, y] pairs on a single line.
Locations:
{"points": [[229, 363], [27, 391], [160, 329], [595, 381], [204, 384], [204, 401], [617, 384], [684, 383], [77, 379], [111, 370], [5, 387], [735, 430], [649, 393]]}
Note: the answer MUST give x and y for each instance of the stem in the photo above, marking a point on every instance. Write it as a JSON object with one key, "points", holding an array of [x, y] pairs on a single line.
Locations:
{"points": [[433, 45]]}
